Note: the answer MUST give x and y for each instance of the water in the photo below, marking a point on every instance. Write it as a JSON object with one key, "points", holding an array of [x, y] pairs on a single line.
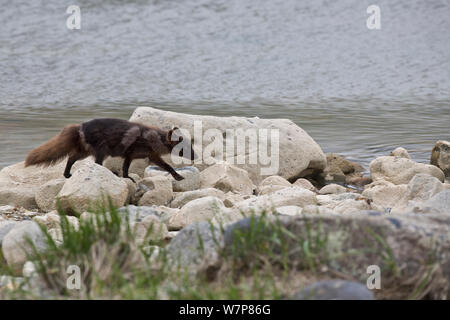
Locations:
{"points": [[357, 92]]}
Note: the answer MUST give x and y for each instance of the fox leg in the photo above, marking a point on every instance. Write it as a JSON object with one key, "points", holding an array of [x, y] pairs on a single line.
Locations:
{"points": [[99, 157], [126, 166], [72, 159], [164, 165]]}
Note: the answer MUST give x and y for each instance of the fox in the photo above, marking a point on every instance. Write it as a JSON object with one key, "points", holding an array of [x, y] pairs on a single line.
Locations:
{"points": [[110, 137]]}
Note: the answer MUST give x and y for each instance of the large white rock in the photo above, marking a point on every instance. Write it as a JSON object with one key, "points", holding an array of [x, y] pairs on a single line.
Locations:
{"points": [[46, 194], [298, 152], [401, 170], [226, 177], [18, 185], [290, 196], [203, 209], [90, 185]]}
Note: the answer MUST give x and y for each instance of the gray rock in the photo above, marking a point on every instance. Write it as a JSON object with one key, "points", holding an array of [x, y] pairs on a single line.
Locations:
{"points": [[197, 249], [15, 246], [5, 227], [335, 290], [190, 182]]}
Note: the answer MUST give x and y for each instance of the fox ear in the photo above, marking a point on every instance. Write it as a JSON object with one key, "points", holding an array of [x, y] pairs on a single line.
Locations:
{"points": [[170, 132]]}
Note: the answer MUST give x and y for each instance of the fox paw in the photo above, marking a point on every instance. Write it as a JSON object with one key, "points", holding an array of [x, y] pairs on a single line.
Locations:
{"points": [[178, 177]]}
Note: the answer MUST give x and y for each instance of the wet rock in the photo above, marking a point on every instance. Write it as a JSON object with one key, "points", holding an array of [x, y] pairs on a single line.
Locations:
{"points": [[339, 169], [226, 177], [440, 156], [299, 151], [401, 170], [335, 290], [190, 182]]}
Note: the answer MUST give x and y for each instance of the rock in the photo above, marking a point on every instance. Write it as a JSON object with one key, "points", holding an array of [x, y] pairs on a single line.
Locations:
{"points": [[29, 269], [304, 183], [385, 193], [137, 166], [89, 185], [231, 199], [150, 229], [291, 196], [18, 185], [46, 194], [332, 188], [52, 221], [203, 209], [160, 192], [422, 187], [401, 170], [16, 213], [226, 177], [197, 249], [289, 210], [339, 169], [190, 182], [438, 204], [335, 290], [401, 153], [272, 184], [440, 156], [5, 227], [15, 247], [350, 206], [300, 152], [132, 189], [137, 214], [313, 209], [399, 244], [184, 197]]}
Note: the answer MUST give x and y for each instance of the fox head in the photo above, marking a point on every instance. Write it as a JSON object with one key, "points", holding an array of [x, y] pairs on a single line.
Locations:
{"points": [[178, 144]]}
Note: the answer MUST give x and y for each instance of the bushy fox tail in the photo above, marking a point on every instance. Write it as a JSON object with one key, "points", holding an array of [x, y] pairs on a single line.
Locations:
{"points": [[53, 151]]}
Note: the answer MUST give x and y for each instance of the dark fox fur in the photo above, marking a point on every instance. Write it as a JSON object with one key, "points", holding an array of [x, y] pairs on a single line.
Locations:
{"points": [[108, 137]]}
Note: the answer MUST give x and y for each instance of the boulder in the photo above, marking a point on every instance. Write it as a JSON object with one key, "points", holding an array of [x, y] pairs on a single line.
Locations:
{"points": [[299, 151], [184, 197], [335, 290], [18, 185], [438, 204], [160, 191], [15, 246], [190, 182], [150, 229], [440, 156], [226, 177], [89, 186], [52, 222], [203, 209], [400, 152], [332, 188], [401, 170], [5, 227], [46, 194]]}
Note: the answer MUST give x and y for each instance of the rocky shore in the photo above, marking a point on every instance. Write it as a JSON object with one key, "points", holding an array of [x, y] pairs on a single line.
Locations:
{"points": [[396, 213]]}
